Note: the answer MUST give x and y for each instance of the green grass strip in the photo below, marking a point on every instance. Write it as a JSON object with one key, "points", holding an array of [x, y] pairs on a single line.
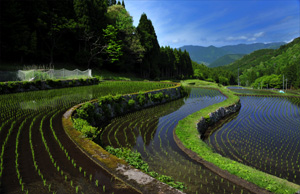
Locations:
{"points": [[188, 134]]}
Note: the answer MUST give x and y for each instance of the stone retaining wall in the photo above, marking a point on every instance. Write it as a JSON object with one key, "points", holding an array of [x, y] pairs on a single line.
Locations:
{"points": [[213, 117], [119, 168], [104, 111]]}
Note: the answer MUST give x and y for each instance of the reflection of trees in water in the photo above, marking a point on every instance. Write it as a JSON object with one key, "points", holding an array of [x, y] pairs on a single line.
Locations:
{"points": [[141, 125]]}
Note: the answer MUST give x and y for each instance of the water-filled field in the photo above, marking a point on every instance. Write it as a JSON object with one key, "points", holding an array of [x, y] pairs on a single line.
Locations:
{"points": [[265, 135], [150, 132], [37, 156], [253, 92]]}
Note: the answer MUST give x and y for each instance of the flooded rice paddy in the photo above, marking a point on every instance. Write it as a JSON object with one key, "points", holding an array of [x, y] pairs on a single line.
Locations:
{"points": [[264, 135], [150, 132]]}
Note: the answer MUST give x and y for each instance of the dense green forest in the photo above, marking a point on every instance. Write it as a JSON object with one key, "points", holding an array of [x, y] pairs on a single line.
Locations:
{"points": [[267, 68], [88, 33], [221, 76]]}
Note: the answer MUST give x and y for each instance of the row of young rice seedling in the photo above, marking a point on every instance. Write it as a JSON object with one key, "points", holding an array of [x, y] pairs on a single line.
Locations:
{"points": [[151, 135], [3, 150], [80, 169], [37, 169], [265, 136], [21, 106], [17, 157]]}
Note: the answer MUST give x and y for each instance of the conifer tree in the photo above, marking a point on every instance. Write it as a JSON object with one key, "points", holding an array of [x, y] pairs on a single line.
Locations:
{"points": [[123, 3], [119, 3], [145, 29]]}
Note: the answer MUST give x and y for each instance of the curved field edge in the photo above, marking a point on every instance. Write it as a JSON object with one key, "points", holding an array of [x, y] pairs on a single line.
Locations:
{"points": [[113, 165], [187, 133]]}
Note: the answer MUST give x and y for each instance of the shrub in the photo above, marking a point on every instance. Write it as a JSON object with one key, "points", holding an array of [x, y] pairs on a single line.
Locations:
{"points": [[105, 99], [84, 127], [141, 98], [158, 97], [86, 112], [118, 98], [131, 103]]}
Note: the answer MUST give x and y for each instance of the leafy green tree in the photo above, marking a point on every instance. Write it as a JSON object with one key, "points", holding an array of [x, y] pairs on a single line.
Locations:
{"points": [[114, 46], [132, 48]]}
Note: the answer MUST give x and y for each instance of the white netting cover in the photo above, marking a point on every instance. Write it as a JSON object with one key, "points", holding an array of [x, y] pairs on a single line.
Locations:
{"points": [[30, 75]]}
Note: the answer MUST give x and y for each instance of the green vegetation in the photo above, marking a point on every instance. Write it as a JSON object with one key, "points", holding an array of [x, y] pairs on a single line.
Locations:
{"points": [[84, 127], [13, 87], [134, 158], [35, 112], [283, 61], [213, 75], [96, 34], [225, 60], [260, 127], [189, 136]]}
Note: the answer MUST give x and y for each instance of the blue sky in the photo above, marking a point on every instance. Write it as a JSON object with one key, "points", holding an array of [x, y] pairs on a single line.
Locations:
{"points": [[219, 22]]}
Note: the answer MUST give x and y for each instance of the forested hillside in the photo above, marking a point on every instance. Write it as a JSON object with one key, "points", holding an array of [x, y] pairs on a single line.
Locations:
{"points": [[225, 60], [266, 67], [217, 75], [90, 34]]}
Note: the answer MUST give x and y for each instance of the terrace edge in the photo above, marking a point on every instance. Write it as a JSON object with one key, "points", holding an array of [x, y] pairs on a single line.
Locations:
{"points": [[28, 86], [187, 140], [113, 165]]}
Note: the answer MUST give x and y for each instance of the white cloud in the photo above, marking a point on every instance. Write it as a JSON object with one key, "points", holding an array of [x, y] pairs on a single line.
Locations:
{"points": [[248, 37], [259, 34]]}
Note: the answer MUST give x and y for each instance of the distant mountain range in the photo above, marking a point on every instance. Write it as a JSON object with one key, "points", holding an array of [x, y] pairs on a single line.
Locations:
{"points": [[208, 55]]}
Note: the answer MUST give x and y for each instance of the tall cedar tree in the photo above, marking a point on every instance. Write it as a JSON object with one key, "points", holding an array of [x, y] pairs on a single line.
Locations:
{"points": [[149, 66]]}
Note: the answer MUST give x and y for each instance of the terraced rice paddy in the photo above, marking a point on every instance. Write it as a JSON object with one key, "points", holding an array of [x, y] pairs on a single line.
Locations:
{"points": [[150, 132], [253, 92], [265, 135], [38, 157]]}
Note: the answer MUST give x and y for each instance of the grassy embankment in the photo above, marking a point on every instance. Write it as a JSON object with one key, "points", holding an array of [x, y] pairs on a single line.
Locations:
{"points": [[189, 136]]}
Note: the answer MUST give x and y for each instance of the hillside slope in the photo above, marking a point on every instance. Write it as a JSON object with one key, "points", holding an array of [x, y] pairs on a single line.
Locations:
{"points": [[283, 61], [225, 60]]}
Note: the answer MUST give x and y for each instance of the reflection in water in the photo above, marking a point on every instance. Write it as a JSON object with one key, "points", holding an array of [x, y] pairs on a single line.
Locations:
{"points": [[150, 132]]}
